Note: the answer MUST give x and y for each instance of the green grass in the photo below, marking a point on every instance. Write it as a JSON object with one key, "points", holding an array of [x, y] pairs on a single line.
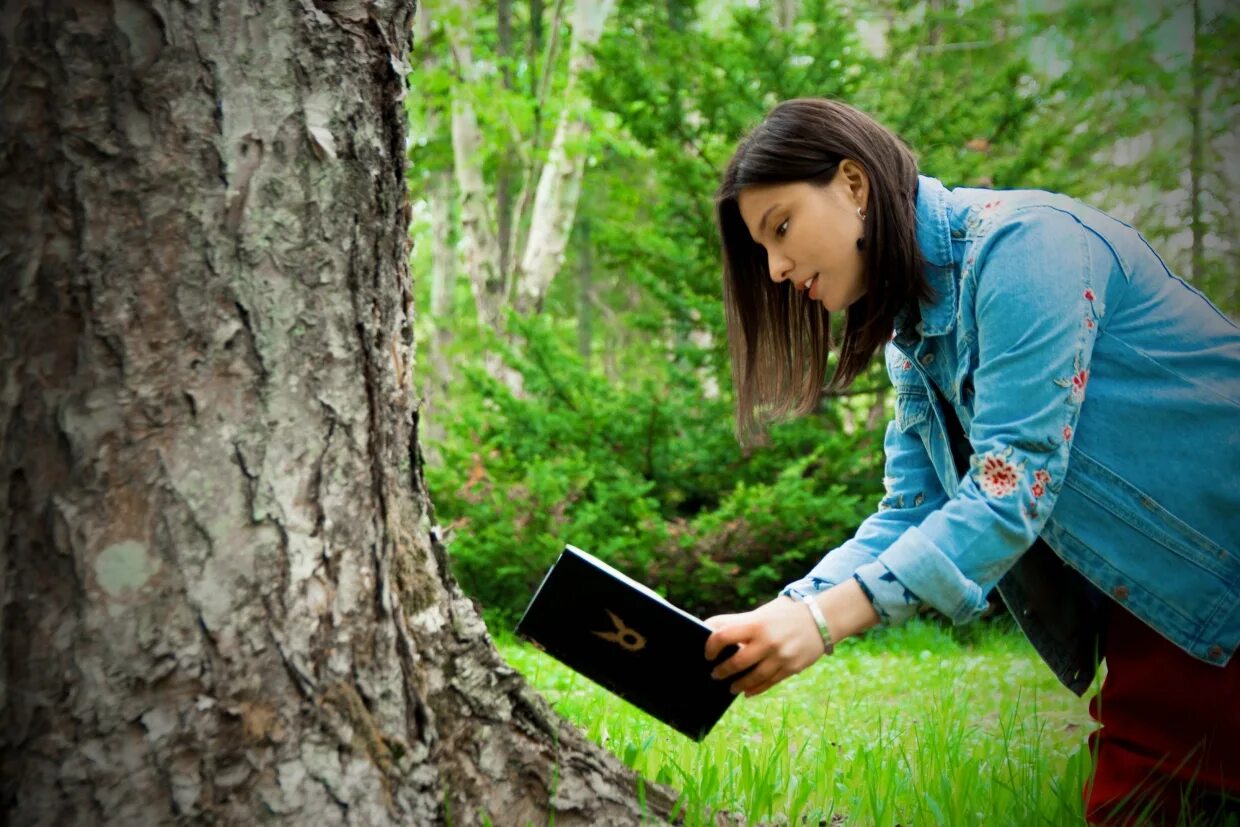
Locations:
{"points": [[913, 725]]}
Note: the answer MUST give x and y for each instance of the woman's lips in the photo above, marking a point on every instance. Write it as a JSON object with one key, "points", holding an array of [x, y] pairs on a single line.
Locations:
{"points": [[810, 284]]}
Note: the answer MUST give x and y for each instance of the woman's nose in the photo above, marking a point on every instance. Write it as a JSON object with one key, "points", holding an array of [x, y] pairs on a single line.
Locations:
{"points": [[779, 267]]}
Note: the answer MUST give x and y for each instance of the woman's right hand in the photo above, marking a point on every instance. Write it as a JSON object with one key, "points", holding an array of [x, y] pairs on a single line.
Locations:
{"points": [[780, 639]]}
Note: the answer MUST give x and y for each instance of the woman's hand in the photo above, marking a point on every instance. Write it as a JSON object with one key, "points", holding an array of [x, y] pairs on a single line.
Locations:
{"points": [[780, 637]]}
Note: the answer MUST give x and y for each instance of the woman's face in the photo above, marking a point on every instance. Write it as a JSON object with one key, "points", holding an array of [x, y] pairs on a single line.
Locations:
{"points": [[810, 234]]}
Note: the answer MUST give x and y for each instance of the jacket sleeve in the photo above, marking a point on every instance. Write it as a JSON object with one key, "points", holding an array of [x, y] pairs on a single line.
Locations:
{"points": [[913, 492], [1037, 304]]}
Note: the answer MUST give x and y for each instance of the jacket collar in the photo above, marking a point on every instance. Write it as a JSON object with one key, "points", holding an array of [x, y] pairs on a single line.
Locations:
{"points": [[935, 242]]}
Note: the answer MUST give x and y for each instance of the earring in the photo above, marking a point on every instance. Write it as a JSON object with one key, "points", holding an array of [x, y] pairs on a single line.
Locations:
{"points": [[860, 214], [860, 241]]}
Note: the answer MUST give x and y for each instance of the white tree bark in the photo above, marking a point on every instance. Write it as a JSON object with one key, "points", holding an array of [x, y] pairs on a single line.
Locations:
{"points": [[559, 185], [786, 13], [222, 599], [439, 194], [443, 283], [478, 224]]}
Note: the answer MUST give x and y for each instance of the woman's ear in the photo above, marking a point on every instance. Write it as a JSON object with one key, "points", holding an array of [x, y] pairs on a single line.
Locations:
{"points": [[857, 182]]}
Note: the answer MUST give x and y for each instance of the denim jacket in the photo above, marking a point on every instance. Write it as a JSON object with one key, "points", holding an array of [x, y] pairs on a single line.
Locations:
{"points": [[1100, 396]]}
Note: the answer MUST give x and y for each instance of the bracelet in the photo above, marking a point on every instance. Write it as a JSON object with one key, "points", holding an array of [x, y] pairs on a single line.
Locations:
{"points": [[820, 621]]}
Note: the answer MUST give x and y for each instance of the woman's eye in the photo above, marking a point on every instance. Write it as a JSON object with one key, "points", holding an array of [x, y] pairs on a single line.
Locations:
{"points": [[782, 229]]}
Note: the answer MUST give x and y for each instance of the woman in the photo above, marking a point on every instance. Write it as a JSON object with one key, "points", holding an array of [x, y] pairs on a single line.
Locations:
{"points": [[1067, 429]]}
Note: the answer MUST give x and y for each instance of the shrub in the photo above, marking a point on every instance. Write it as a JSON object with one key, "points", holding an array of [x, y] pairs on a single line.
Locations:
{"points": [[645, 475]]}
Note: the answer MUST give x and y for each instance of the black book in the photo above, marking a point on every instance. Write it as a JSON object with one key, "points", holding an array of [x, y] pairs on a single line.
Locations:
{"points": [[630, 640]]}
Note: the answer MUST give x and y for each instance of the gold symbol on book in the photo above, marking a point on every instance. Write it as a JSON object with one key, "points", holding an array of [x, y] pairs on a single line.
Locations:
{"points": [[626, 637]]}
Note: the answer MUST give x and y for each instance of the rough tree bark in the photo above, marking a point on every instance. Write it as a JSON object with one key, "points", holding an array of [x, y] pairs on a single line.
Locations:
{"points": [[222, 598]]}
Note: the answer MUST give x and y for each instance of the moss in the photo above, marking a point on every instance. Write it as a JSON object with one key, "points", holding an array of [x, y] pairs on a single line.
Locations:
{"points": [[416, 590], [367, 737]]}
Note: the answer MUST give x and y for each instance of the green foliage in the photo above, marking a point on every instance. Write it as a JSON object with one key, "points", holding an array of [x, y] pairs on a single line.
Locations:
{"points": [[620, 440], [642, 476]]}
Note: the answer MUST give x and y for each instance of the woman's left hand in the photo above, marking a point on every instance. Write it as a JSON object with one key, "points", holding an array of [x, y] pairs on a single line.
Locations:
{"points": [[779, 639]]}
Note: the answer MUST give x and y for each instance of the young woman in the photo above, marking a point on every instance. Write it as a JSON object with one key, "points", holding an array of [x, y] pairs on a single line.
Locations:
{"points": [[1067, 429]]}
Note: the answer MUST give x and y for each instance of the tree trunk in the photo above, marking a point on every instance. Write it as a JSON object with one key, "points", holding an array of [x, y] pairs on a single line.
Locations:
{"points": [[443, 286], [223, 600], [443, 257], [482, 247], [786, 13], [585, 291], [508, 166], [559, 183]]}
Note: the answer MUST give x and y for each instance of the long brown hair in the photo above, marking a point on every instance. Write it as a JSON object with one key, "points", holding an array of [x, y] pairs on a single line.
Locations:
{"points": [[779, 342]]}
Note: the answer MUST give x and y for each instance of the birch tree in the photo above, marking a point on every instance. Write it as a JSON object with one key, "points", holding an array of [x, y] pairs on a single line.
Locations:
{"points": [[559, 185], [543, 219], [439, 195], [224, 599], [478, 225]]}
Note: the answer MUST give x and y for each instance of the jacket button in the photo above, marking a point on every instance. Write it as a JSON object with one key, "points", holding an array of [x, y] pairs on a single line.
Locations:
{"points": [[1216, 652], [1120, 592], [927, 359]]}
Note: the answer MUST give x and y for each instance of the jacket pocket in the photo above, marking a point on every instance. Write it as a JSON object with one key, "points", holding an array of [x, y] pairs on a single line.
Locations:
{"points": [[912, 410]]}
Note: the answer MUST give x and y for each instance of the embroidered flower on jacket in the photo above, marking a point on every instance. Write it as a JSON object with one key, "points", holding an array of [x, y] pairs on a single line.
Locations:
{"points": [[1067, 432], [1041, 481], [1078, 385], [980, 218], [1077, 382], [996, 475], [1089, 323], [907, 364], [1092, 298]]}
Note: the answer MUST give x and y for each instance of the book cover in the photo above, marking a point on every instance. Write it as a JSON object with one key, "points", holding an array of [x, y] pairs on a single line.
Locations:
{"points": [[630, 640]]}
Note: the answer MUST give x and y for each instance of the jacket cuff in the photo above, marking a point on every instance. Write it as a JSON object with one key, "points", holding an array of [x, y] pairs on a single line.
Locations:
{"points": [[800, 590], [836, 567], [922, 568], [893, 602]]}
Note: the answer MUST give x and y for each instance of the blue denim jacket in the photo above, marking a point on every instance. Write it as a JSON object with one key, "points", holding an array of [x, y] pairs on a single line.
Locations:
{"points": [[1100, 395]]}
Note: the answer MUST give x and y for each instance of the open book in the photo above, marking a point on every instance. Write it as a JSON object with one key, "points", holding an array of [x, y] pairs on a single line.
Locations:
{"points": [[630, 640]]}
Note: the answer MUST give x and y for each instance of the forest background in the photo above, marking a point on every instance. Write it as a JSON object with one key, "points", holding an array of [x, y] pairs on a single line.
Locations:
{"points": [[572, 354]]}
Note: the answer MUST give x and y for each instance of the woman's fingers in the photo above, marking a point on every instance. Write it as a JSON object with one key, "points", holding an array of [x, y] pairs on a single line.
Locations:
{"points": [[726, 633], [749, 654], [718, 621], [766, 673], [772, 642]]}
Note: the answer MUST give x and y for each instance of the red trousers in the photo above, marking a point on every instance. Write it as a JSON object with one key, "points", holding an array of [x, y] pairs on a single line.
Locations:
{"points": [[1170, 735]]}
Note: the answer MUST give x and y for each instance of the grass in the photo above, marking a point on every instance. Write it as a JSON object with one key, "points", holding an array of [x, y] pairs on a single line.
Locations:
{"points": [[912, 725]]}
